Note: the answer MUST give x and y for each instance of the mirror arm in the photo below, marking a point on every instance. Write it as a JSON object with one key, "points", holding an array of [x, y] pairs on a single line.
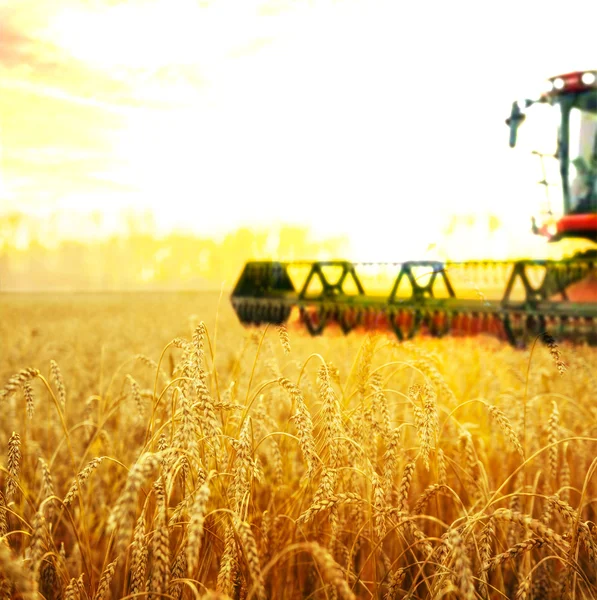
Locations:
{"points": [[517, 116], [514, 121]]}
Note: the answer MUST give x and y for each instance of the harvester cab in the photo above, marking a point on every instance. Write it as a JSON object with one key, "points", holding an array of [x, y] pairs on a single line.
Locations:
{"points": [[574, 98]]}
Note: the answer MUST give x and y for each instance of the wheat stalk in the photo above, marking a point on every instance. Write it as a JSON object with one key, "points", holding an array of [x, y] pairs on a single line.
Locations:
{"points": [[47, 487], [249, 546], [136, 395], [390, 461], [17, 381], [462, 565], [139, 557], [160, 572], [228, 564], [428, 368], [209, 421], [14, 571], [48, 579], [380, 402], [72, 590], [556, 355], [284, 338], [485, 549], [523, 589], [198, 351], [330, 570], [327, 503], [178, 571], [424, 406], [331, 419], [3, 519], [514, 552], [433, 490], [241, 484], [379, 504], [81, 478], [552, 438], [196, 530], [565, 476], [37, 543], [304, 424], [103, 588], [528, 522], [506, 427], [573, 518], [29, 399], [442, 471], [122, 515], [5, 588], [13, 465], [471, 463], [395, 579], [59, 383], [407, 475], [364, 364]]}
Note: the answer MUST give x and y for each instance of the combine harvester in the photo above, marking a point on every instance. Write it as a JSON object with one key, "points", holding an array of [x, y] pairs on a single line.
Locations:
{"points": [[516, 300]]}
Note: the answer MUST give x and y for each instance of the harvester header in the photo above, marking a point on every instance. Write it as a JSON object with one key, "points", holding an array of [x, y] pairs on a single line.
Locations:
{"points": [[514, 300]]}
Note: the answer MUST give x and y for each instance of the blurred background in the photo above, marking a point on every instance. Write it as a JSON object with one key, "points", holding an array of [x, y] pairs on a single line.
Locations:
{"points": [[149, 144]]}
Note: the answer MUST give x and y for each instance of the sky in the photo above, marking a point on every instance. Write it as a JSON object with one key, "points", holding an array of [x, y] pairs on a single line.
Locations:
{"points": [[377, 120]]}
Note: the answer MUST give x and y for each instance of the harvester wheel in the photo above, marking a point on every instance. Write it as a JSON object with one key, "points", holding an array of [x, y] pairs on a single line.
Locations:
{"points": [[375, 319], [534, 327], [368, 321], [284, 313], [278, 314], [247, 313], [314, 319], [458, 324], [475, 323], [438, 323], [348, 319], [240, 310], [405, 323], [497, 327], [381, 320], [515, 326], [258, 314]]}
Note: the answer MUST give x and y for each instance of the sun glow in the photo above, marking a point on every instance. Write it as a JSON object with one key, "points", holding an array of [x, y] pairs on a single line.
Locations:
{"points": [[336, 116]]}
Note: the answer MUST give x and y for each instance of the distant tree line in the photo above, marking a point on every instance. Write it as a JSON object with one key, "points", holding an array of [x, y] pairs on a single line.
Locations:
{"points": [[138, 260]]}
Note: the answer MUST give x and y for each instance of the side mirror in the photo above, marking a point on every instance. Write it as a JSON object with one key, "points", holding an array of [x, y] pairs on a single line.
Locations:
{"points": [[514, 121]]}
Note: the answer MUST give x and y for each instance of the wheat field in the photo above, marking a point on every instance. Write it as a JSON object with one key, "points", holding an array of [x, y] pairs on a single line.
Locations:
{"points": [[152, 447]]}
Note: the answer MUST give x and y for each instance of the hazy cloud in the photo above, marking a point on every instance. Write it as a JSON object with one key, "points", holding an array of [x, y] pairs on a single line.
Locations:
{"points": [[260, 107]]}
